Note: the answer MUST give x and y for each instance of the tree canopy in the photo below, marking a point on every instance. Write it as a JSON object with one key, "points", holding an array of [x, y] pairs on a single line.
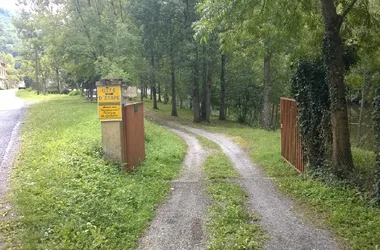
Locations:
{"points": [[235, 58]]}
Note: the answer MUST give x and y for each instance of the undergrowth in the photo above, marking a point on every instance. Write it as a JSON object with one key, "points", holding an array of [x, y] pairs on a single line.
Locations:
{"points": [[66, 196]]}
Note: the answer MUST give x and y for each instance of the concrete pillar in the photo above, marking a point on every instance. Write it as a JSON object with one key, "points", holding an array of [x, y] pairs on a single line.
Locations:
{"points": [[112, 125]]}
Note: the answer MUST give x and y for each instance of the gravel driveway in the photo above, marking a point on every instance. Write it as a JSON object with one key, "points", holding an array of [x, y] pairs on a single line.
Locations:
{"points": [[286, 229], [180, 221]]}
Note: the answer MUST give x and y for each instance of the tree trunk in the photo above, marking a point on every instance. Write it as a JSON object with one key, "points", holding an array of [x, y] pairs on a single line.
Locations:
{"points": [[58, 81], [222, 108], [376, 131], [208, 96], [159, 92], [153, 87], [267, 87], [154, 93], [196, 108], [142, 89], [272, 117], [361, 109], [174, 99], [37, 80], [195, 92], [204, 85], [276, 117], [333, 58]]}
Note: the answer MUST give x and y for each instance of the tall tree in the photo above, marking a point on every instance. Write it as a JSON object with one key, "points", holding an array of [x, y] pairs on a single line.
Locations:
{"points": [[333, 58]]}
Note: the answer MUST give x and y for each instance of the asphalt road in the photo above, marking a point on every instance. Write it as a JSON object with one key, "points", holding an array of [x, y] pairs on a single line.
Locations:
{"points": [[11, 114]]}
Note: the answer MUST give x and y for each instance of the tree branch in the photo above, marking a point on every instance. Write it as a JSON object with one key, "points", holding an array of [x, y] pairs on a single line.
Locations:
{"points": [[349, 7], [262, 7]]}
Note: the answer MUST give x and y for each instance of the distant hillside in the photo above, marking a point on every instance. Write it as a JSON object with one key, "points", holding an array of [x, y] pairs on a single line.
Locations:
{"points": [[8, 35]]}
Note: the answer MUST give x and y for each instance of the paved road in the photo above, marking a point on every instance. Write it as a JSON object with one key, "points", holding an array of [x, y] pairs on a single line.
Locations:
{"points": [[11, 113]]}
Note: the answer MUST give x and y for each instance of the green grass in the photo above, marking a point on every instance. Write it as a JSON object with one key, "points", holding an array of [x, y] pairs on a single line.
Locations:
{"points": [[345, 210], [230, 226], [66, 196], [31, 95]]}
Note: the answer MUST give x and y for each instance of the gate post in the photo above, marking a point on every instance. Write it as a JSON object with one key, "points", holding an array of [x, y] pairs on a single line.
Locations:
{"points": [[110, 102], [122, 125]]}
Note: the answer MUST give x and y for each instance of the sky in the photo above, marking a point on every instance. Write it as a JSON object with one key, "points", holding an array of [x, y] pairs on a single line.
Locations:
{"points": [[8, 4]]}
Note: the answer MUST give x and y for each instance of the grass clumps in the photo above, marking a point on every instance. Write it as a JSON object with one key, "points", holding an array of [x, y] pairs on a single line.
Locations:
{"points": [[66, 196], [230, 225]]}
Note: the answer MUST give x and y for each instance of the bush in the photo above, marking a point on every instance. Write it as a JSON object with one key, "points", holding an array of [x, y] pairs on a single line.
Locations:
{"points": [[52, 90], [75, 93], [376, 129], [311, 92]]}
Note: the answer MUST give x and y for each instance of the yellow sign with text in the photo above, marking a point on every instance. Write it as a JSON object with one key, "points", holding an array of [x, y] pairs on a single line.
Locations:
{"points": [[109, 103]]}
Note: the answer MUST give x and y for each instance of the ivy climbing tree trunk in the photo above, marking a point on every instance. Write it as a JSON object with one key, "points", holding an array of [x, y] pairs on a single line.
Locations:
{"points": [[267, 86], [333, 58], [358, 137], [376, 130], [222, 109]]}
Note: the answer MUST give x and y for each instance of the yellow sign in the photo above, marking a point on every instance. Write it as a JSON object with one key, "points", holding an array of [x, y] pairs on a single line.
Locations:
{"points": [[109, 103]]}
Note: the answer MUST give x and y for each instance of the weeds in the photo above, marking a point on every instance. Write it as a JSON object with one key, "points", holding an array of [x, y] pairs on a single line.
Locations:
{"points": [[230, 226]]}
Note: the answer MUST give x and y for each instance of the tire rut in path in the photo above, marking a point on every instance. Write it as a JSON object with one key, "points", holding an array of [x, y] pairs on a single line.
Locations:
{"points": [[285, 228], [179, 221]]}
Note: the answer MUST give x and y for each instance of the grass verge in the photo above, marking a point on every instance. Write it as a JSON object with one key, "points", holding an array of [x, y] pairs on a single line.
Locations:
{"points": [[230, 225], [31, 95], [66, 196]]}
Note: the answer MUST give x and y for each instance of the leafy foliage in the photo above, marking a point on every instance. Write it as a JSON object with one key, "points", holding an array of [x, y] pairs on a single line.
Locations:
{"points": [[376, 129], [9, 41], [311, 92]]}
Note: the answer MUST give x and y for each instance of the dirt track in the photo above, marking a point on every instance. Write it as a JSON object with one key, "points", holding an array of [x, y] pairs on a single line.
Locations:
{"points": [[179, 222], [184, 211]]}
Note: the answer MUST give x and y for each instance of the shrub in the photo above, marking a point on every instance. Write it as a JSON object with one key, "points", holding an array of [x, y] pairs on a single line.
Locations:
{"points": [[75, 93], [311, 92], [376, 130]]}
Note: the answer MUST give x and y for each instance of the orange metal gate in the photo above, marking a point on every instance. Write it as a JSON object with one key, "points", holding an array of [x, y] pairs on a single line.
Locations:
{"points": [[133, 131], [290, 140]]}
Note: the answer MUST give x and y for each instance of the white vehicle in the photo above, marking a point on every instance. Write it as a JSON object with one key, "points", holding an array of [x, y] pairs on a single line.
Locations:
{"points": [[22, 85]]}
